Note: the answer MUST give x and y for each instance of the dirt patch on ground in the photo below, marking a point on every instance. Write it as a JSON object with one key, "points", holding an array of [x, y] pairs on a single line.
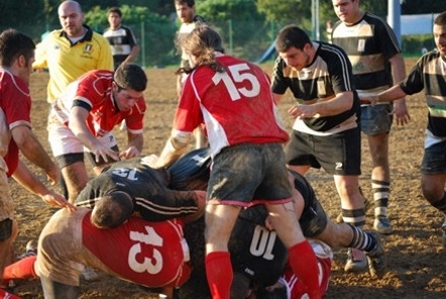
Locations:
{"points": [[415, 254]]}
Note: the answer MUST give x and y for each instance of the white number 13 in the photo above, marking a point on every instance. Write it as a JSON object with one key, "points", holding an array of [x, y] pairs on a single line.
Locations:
{"points": [[236, 72]]}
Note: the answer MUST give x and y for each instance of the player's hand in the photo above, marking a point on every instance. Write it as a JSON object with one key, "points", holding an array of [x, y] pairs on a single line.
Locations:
{"points": [[57, 200], [303, 111], [401, 113], [368, 100], [131, 152], [104, 152]]}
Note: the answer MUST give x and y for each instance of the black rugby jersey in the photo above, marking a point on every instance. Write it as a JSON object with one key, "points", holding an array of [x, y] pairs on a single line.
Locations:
{"points": [[369, 44], [328, 74]]}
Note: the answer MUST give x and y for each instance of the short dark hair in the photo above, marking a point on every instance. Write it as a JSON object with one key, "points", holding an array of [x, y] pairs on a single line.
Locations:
{"points": [[189, 3], [14, 44], [291, 36], [112, 209], [130, 76], [440, 20], [115, 10]]}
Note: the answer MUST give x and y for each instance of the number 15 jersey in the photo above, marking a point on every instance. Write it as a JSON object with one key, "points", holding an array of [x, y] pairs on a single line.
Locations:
{"points": [[236, 106]]}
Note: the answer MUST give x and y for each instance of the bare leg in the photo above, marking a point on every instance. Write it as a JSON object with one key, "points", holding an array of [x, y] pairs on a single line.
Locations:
{"points": [[76, 179], [379, 150]]}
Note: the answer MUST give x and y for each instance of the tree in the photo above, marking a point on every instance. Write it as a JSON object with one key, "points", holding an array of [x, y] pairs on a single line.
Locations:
{"points": [[241, 25]]}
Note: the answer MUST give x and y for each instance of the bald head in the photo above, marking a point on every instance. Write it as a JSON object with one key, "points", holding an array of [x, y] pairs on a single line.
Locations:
{"points": [[71, 18], [73, 5]]}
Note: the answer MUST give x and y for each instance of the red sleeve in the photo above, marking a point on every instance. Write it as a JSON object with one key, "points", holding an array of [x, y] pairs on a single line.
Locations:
{"points": [[188, 115], [93, 86], [134, 121], [15, 100]]}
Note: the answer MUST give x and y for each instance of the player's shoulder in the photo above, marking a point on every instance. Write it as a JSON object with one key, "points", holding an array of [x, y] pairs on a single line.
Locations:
{"points": [[107, 30], [374, 19], [17, 83]]}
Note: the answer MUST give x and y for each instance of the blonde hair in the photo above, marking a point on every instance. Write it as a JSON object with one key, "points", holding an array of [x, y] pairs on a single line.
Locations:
{"points": [[202, 43]]}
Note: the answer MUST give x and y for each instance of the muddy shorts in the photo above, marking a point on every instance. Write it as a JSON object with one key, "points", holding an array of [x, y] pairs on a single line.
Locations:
{"points": [[248, 174], [376, 119]]}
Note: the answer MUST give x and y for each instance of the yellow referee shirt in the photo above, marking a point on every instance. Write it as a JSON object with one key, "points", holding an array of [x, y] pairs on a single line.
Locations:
{"points": [[67, 61]]}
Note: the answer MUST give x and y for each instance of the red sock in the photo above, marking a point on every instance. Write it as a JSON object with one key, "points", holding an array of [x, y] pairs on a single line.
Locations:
{"points": [[22, 269], [5, 294], [304, 264], [219, 274]]}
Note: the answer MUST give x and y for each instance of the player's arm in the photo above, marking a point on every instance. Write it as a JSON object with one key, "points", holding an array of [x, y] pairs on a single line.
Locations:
{"points": [[31, 148], [134, 146], [133, 54], [40, 56], [399, 73], [78, 126], [28, 180], [392, 94], [105, 60], [277, 97], [135, 48], [341, 102], [175, 147]]}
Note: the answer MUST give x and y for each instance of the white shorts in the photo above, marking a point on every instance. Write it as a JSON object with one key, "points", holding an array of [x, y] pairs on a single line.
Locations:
{"points": [[63, 141]]}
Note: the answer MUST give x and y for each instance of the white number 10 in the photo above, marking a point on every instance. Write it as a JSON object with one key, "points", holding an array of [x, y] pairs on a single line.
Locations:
{"points": [[236, 72]]}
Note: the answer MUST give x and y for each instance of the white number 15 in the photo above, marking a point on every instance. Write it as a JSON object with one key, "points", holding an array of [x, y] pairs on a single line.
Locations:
{"points": [[236, 72]]}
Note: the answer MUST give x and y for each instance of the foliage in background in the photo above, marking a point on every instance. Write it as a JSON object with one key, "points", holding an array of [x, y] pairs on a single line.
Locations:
{"points": [[247, 26], [157, 32], [242, 27]]}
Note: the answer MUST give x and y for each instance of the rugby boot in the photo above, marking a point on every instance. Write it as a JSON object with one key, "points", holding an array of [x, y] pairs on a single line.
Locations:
{"points": [[356, 261], [382, 225], [376, 258]]}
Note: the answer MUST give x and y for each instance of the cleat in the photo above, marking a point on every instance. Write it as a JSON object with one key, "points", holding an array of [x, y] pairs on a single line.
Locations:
{"points": [[382, 225], [356, 261], [376, 257]]}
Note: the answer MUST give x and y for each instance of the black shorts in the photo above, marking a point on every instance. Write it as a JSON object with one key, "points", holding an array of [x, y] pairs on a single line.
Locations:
{"points": [[337, 154], [68, 159], [434, 159]]}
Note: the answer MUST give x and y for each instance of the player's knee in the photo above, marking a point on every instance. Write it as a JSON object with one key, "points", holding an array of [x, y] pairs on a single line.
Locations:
{"points": [[6, 229]]}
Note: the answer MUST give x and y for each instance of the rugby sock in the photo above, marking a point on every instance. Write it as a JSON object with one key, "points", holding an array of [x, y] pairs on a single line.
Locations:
{"points": [[219, 274], [304, 264], [441, 204], [381, 192], [361, 240], [21, 269], [354, 217]]}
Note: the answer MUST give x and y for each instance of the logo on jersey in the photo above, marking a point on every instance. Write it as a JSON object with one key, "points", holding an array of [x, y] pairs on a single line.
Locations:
{"points": [[88, 48]]}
